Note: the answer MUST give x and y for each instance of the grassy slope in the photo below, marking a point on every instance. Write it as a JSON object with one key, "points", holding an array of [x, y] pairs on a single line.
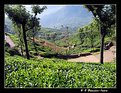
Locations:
{"points": [[20, 72], [75, 40]]}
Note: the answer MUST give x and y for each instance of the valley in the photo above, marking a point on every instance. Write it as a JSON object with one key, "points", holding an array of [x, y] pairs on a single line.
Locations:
{"points": [[67, 48]]}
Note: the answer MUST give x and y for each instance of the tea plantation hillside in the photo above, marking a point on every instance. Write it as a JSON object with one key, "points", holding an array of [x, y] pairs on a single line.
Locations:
{"points": [[57, 73], [69, 54]]}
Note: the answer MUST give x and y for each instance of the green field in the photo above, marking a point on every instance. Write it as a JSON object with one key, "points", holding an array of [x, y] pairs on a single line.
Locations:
{"points": [[57, 73]]}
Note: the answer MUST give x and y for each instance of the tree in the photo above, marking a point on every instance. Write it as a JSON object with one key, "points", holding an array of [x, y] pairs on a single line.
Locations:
{"points": [[18, 31], [81, 35], [92, 28], [31, 34], [36, 9], [105, 15], [19, 15], [67, 40]]}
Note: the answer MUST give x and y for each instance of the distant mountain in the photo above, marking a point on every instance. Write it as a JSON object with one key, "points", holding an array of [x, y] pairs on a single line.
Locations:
{"points": [[71, 16]]}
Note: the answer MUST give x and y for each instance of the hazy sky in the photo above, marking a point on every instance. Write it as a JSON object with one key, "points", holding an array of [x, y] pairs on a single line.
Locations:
{"points": [[50, 9]]}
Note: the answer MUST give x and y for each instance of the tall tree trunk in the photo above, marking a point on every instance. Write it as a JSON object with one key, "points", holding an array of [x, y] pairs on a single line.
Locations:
{"points": [[101, 50], [102, 44], [34, 31], [21, 50], [21, 44], [34, 40], [20, 39], [25, 42]]}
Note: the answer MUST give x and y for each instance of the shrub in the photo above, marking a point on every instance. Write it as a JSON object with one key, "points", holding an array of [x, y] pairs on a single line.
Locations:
{"points": [[14, 51], [95, 50], [57, 73]]}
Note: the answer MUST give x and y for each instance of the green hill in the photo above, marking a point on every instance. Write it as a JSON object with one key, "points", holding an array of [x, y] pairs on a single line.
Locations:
{"points": [[87, 39]]}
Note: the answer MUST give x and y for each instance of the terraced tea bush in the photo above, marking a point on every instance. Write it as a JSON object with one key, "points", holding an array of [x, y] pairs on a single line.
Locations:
{"points": [[57, 73]]}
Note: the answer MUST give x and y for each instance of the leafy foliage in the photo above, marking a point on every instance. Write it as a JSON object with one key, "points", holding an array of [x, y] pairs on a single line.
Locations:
{"points": [[23, 19], [58, 73], [85, 39], [105, 15], [52, 72]]}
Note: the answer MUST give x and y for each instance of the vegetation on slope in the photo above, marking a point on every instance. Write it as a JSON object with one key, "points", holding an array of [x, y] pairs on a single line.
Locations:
{"points": [[57, 73], [87, 38], [53, 72]]}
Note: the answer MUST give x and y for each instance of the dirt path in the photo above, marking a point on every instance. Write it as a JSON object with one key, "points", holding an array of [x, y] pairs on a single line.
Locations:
{"points": [[109, 55]]}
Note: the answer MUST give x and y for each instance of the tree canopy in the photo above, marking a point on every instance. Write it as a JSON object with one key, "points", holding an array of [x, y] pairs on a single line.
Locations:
{"points": [[105, 14]]}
